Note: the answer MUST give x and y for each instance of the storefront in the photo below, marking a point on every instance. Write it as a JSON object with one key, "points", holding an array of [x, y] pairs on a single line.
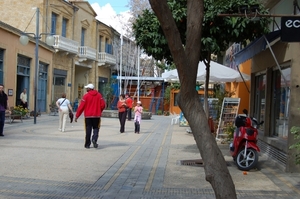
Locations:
{"points": [[274, 88]]}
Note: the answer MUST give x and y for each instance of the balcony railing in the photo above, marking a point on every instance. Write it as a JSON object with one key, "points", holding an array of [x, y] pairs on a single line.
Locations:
{"points": [[64, 44], [85, 52], [106, 58]]}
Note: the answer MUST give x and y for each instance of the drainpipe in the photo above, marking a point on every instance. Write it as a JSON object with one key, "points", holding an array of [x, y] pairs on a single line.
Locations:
{"points": [[97, 55], [73, 62], [47, 4], [138, 65]]}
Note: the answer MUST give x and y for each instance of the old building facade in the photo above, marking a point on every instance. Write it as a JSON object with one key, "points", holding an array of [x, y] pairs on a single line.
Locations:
{"points": [[85, 50]]}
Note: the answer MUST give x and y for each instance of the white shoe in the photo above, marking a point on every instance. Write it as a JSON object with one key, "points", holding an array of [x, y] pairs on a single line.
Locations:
{"points": [[59, 129]]}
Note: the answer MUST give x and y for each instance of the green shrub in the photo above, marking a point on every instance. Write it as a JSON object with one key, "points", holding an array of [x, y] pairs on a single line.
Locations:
{"points": [[296, 131], [229, 129]]}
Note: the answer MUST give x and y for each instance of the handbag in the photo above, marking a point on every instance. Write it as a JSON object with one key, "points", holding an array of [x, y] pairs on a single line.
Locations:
{"points": [[71, 116]]}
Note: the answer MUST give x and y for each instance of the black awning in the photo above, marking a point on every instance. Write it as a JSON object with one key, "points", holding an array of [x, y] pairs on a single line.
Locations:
{"points": [[254, 47]]}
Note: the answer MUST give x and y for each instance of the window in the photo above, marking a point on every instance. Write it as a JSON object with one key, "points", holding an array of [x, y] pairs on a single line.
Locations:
{"points": [[59, 81], [108, 47], [82, 36], [100, 43], [64, 27], [260, 97], [43, 71], [280, 102], [53, 23], [23, 67]]}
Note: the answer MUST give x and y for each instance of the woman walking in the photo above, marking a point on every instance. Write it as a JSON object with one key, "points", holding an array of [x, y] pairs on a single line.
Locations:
{"points": [[63, 105], [122, 112]]}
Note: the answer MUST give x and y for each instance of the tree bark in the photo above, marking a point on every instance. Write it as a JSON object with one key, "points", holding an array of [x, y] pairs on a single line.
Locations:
{"points": [[186, 60]]}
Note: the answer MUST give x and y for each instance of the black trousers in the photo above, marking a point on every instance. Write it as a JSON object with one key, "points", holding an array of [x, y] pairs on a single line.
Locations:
{"points": [[122, 119], [129, 110], [24, 105], [2, 121], [91, 124], [137, 127]]}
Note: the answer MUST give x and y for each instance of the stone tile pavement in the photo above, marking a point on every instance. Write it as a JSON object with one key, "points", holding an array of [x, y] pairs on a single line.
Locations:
{"points": [[38, 161]]}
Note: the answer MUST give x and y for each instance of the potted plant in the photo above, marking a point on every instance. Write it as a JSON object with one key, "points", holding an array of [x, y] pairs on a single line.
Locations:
{"points": [[19, 110], [229, 129]]}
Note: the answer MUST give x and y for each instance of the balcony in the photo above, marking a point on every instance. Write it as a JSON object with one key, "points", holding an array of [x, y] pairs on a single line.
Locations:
{"points": [[64, 44], [85, 52], [106, 59]]}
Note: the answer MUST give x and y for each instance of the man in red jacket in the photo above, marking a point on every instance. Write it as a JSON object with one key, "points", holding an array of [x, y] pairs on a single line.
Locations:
{"points": [[92, 104]]}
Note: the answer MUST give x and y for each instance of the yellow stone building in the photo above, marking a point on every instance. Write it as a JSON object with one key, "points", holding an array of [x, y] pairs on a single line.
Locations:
{"points": [[85, 50]]}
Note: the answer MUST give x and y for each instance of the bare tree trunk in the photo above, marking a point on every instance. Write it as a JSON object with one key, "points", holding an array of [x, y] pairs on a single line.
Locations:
{"points": [[186, 61]]}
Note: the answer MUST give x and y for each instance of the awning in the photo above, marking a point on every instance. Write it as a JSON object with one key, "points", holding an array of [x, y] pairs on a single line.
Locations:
{"points": [[255, 47], [218, 73]]}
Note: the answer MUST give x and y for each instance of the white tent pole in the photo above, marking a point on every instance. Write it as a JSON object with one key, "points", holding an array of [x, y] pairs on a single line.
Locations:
{"points": [[138, 83], [121, 57]]}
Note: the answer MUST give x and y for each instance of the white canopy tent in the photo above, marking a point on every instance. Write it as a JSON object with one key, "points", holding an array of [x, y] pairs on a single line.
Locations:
{"points": [[218, 73]]}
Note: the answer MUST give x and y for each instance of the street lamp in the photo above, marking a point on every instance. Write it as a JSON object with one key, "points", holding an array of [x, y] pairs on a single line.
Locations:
{"points": [[24, 41]]}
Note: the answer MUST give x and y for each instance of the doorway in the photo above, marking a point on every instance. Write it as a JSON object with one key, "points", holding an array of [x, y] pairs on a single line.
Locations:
{"points": [[23, 78], [42, 88]]}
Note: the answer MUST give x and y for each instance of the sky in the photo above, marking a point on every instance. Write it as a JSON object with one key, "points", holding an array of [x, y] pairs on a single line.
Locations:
{"points": [[114, 13], [117, 5]]}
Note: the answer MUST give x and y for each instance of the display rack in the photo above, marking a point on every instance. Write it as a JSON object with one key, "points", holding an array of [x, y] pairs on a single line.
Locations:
{"points": [[229, 111], [213, 110]]}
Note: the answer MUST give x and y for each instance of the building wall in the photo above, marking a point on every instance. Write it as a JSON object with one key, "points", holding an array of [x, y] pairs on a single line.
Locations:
{"points": [[294, 113], [9, 41], [79, 15], [20, 16], [85, 71], [243, 89], [63, 10]]}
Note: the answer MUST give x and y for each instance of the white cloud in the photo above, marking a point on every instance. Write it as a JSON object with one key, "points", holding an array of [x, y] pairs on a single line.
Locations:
{"points": [[108, 15]]}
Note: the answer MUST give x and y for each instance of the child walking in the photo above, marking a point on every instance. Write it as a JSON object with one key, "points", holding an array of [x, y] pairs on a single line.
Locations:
{"points": [[138, 110]]}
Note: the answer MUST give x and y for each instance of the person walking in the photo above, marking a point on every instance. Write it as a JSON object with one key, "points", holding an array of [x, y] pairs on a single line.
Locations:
{"points": [[122, 112], [64, 106], [138, 110], [23, 98], [92, 104], [4, 105], [129, 106]]}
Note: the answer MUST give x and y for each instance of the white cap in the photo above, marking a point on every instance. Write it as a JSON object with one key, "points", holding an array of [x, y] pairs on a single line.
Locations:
{"points": [[139, 102], [91, 86]]}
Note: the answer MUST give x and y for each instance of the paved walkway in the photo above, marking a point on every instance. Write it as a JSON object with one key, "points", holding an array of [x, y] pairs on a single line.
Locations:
{"points": [[38, 161]]}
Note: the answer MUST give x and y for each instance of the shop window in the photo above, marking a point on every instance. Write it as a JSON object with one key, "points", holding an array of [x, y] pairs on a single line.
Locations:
{"points": [[280, 102], [260, 98]]}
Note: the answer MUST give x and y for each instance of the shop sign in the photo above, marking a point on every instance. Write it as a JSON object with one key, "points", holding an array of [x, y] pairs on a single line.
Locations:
{"points": [[290, 29]]}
